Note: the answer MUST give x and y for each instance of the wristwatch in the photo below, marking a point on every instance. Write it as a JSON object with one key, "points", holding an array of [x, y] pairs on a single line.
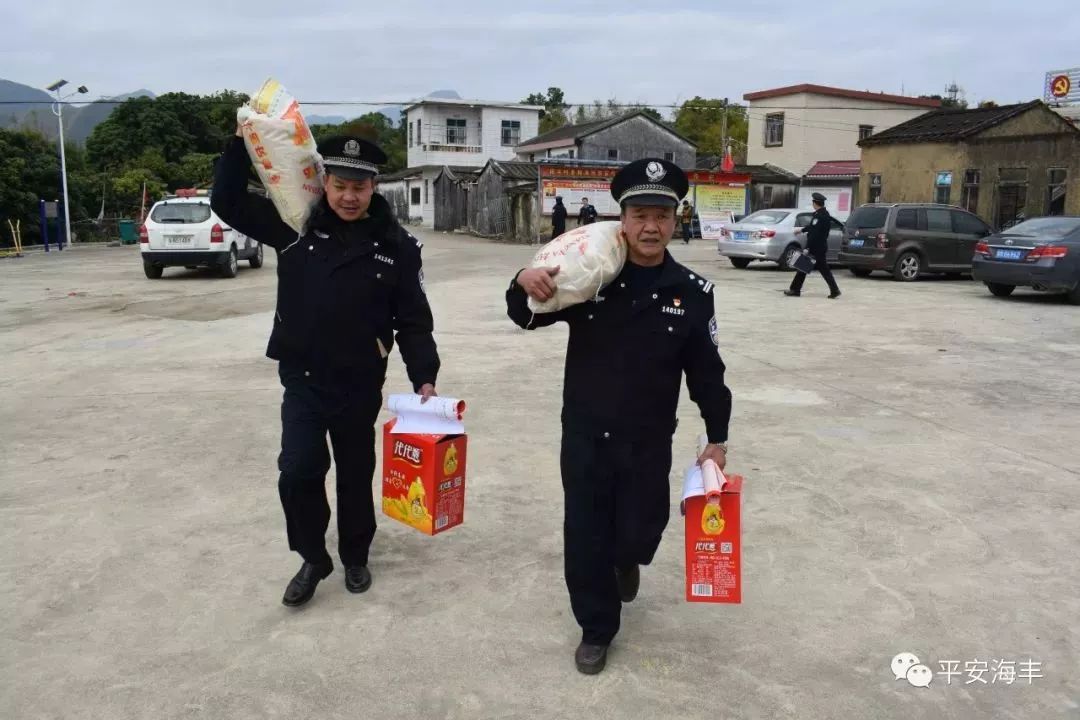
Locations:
{"points": [[722, 446]]}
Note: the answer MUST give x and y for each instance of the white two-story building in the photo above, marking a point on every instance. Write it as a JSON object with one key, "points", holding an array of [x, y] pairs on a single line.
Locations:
{"points": [[460, 134]]}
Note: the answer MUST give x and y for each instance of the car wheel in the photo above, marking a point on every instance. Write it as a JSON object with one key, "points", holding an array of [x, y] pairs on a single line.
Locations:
{"points": [[152, 271], [787, 258], [741, 263], [1000, 289], [231, 266], [908, 266], [1073, 295], [861, 272], [256, 260]]}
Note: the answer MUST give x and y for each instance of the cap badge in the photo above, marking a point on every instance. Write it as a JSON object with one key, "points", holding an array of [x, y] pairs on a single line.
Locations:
{"points": [[655, 171], [352, 148]]}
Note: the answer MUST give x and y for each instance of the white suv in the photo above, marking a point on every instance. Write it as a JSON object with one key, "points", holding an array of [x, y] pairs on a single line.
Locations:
{"points": [[182, 230]]}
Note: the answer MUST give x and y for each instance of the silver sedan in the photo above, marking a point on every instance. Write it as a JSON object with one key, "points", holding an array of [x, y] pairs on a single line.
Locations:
{"points": [[770, 235]]}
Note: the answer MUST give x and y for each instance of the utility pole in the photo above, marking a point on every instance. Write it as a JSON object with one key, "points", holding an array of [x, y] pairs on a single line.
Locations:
{"points": [[58, 111]]}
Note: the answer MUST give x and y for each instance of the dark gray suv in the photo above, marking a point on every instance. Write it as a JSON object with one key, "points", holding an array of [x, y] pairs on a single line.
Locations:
{"points": [[910, 239]]}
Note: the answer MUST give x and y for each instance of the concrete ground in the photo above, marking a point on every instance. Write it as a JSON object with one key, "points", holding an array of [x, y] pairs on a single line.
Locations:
{"points": [[912, 463]]}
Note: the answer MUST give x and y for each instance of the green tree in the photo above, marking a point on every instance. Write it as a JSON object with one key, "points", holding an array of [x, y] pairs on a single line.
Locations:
{"points": [[377, 128], [703, 121], [127, 188], [611, 109], [29, 172], [555, 108]]}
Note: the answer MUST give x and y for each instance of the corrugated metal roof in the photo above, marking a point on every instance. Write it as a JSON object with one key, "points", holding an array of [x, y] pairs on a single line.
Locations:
{"points": [[515, 170], [835, 168]]}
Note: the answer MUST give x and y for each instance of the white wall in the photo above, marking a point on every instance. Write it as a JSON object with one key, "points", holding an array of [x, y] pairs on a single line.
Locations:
{"points": [[483, 133], [427, 199], [815, 130]]}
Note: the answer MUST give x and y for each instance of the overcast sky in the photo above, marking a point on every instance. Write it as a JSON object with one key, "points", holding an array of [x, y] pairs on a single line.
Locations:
{"points": [[502, 50]]}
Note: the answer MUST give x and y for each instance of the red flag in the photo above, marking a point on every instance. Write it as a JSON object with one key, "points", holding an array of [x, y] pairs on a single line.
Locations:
{"points": [[728, 163]]}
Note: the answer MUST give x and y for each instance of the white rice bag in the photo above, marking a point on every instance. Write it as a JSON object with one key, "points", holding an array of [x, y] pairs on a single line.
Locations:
{"points": [[588, 258], [283, 152]]}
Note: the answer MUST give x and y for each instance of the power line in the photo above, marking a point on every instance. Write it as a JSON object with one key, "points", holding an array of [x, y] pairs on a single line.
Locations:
{"points": [[379, 103]]}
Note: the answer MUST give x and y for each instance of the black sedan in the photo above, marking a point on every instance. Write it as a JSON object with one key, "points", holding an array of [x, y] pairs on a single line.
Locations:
{"points": [[1041, 253]]}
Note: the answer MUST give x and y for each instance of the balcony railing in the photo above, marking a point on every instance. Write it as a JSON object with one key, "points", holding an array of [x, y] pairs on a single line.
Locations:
{"points": [[447, 147]]}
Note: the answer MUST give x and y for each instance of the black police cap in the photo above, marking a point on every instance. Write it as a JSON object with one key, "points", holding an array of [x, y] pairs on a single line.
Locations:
{"points": [[350, 157], [650, 181], [818, 198]]}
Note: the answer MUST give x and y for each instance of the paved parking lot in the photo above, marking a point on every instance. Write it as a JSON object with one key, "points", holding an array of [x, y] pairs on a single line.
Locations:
{"points": [[912, 463]]}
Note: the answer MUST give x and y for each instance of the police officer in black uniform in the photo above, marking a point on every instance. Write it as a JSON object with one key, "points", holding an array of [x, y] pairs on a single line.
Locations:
{"points": [[627, 352], [346, 286], [817, 244]]}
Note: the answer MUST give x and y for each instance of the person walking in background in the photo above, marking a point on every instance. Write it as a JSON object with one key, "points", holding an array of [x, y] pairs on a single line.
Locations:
{"points": [[587, 214], [687, 221], [558, 218], [817, 244]]}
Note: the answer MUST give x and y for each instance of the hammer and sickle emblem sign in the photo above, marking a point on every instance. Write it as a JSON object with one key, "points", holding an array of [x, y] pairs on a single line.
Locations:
{"points": [[1060, 86]]}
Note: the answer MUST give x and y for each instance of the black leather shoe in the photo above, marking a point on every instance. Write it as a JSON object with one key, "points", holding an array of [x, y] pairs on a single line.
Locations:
{"points": [[303, 584], [357, 578], [590, 659], [835, 295], [629, 581], [792, 293]]}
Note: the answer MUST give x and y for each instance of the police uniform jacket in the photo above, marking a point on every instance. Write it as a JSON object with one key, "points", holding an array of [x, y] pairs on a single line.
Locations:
{"points": [[628, 350], [345, 289], [817, 232]]}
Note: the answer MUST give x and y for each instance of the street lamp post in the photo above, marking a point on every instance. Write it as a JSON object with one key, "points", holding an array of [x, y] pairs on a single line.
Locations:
{"points": [[58, 111]]}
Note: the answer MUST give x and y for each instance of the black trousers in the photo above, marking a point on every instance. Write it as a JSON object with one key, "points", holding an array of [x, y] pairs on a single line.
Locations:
{"points": [[313, 406], [617, 505], [686, 232], [821, 264]]}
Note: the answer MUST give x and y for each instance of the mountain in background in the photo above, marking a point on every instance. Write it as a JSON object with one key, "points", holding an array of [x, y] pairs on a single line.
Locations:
{"points": [[23, 107], [88, 117]]}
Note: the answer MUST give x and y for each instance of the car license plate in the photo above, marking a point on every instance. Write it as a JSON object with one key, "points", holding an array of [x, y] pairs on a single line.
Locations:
{"points": [[1006, 254], [179, 239], [742, 235], [856, 243]]}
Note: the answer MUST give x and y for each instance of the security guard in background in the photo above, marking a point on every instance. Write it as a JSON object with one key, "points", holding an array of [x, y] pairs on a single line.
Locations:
{"points": [[625, 359], [817, 244], [345, 286]]}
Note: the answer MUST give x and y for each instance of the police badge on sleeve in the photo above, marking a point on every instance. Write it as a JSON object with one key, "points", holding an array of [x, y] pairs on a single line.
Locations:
{"points": [[714, 332]]}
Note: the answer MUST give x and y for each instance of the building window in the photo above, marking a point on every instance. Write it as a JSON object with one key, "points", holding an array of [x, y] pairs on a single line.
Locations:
{"points": [[1011, 196], [766, 194], [613, 153], [511, 132], [1055, 192], [455, 131], [418, 140], [774, 130], [874, 191], [425, 192], [669, 156], [969, 195], [865, 131], [943, 188], [410, 134], [415, 192]]}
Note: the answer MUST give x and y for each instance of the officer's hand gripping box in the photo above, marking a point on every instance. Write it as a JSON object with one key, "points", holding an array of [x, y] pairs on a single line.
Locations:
{"points": [[711, 509], [424, 479]]}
